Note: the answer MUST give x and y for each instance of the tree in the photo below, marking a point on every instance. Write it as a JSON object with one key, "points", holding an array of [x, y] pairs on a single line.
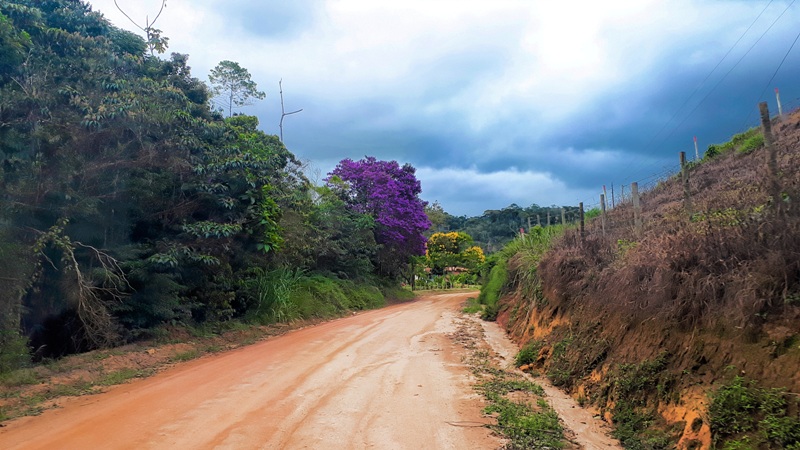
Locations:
{"points": [[154, 40], [390, 194], [437, 216], [232, 82], [453, 249]]}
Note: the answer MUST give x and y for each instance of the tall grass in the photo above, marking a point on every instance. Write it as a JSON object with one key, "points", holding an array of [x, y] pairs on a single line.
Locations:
{"points": [[284, 295], [272, 291], [516, 264]]}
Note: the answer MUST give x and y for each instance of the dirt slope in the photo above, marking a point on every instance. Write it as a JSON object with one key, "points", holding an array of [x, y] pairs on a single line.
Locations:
{"points": [[385, 379]]}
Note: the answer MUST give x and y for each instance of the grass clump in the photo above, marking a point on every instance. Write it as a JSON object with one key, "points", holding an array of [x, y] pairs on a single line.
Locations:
{"points": [[527, 355], [472, 306], [525, 252], [121, 376], [186, 356], [20, 377], [528, 426], [749, 140], [527, 419], [493, 289], [751, 144], [634, 419], [742, 413]]}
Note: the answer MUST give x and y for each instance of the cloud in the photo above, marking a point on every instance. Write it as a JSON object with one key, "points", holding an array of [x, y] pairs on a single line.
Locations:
{"points": [[272, 20], [531, 92], [469, 192]]}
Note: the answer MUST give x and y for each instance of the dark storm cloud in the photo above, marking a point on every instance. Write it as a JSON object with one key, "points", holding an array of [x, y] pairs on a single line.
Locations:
{"points": [[499, 102]]}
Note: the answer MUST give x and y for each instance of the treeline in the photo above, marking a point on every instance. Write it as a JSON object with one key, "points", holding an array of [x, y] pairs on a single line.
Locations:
{"points": [[495, 228], [128, 203]]}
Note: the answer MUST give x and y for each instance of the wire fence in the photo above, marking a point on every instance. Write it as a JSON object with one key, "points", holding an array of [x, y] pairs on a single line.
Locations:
{"points": [[618, 194]]}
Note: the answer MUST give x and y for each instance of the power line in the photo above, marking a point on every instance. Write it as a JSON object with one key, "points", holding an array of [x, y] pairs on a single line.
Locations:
{"points": [[696, 89], [761, 95], [726, 74]]}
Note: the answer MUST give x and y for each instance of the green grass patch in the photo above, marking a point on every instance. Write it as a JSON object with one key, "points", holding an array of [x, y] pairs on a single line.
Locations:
{"points": [[122, 376], [20, 377], [522, 414], [473, 306], [748, 139], [528, 250], [742, 413], [635, 419], [528, 353], [75, 389], [186, 356], [493, 289], [751, 144], [528, 426]]}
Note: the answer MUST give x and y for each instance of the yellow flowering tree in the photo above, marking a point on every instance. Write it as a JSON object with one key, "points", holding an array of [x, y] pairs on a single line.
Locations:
{"points": [[452, 249], [473, 257]]}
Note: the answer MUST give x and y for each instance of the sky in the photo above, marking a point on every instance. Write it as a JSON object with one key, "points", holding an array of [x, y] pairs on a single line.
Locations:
{"points": [[496, 102]]}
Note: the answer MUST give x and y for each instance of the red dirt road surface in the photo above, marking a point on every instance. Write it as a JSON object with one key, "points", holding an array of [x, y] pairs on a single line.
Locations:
{"points": [[384, 379]]}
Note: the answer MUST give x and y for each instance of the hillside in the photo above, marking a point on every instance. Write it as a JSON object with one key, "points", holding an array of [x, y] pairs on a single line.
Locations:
{"points": [[687, 335]]}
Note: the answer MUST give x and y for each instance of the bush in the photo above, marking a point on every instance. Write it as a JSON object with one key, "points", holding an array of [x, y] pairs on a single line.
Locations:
{"points": [[528, 353], [732, 408], [751, 144], [493, 288], [762, 415]]}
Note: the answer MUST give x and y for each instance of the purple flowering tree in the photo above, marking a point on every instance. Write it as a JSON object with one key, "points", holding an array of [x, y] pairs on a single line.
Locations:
{"points": [[390, 194]]}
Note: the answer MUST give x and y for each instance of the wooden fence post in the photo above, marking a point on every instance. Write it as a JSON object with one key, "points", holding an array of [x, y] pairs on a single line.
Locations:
{"points": [[687, 196], [603, 212], [548, 217], [583, 230], [563, 217], [773, 183], [637, 210], [529, 224], [538, 220]]}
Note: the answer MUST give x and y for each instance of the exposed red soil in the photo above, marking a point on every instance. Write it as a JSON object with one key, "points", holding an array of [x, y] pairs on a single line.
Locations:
{"points": [[389, 378]]}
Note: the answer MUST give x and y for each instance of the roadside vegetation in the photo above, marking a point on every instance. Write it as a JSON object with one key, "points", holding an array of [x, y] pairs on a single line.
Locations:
{"points": [[517, 404], [131, 205], [683, 336]]}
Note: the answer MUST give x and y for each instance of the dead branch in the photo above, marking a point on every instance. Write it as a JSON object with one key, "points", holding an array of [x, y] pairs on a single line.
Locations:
{"points": [[283, 111]]}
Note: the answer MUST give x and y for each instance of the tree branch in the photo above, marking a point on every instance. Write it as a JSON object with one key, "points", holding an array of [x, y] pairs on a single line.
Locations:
{"points": [[283, 111]]}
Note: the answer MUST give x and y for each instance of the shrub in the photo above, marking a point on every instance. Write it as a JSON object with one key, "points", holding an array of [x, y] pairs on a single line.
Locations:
{"points": [[491, 291], [752, 143], [528, 353], [762, 415]]}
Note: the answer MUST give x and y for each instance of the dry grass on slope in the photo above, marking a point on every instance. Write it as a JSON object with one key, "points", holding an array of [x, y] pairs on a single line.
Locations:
{"points": [[709, 294]]}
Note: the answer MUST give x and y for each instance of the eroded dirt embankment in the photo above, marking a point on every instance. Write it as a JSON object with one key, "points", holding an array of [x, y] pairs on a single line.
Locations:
{"points": [[648, 326]]}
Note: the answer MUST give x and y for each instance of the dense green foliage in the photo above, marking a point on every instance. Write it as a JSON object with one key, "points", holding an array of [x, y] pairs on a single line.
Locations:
{"points": [[744, 142], [743, 415], [495, 228], [524, 253], [128, 203]]}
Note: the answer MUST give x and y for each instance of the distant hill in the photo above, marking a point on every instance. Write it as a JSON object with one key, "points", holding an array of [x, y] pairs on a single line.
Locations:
{"points": [[495, 228]]}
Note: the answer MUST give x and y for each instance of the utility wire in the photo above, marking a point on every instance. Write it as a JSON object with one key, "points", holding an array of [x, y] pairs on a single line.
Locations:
{"points": [[700, 85], [760, 96], [726, 74]]}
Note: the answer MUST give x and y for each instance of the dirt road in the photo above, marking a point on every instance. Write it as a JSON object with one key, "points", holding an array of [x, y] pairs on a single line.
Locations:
{"points": [[385, 379]]}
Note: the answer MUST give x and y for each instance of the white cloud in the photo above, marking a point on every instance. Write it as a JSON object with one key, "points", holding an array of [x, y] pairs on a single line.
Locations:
{"points": [[503, 76], [470, 192]]}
